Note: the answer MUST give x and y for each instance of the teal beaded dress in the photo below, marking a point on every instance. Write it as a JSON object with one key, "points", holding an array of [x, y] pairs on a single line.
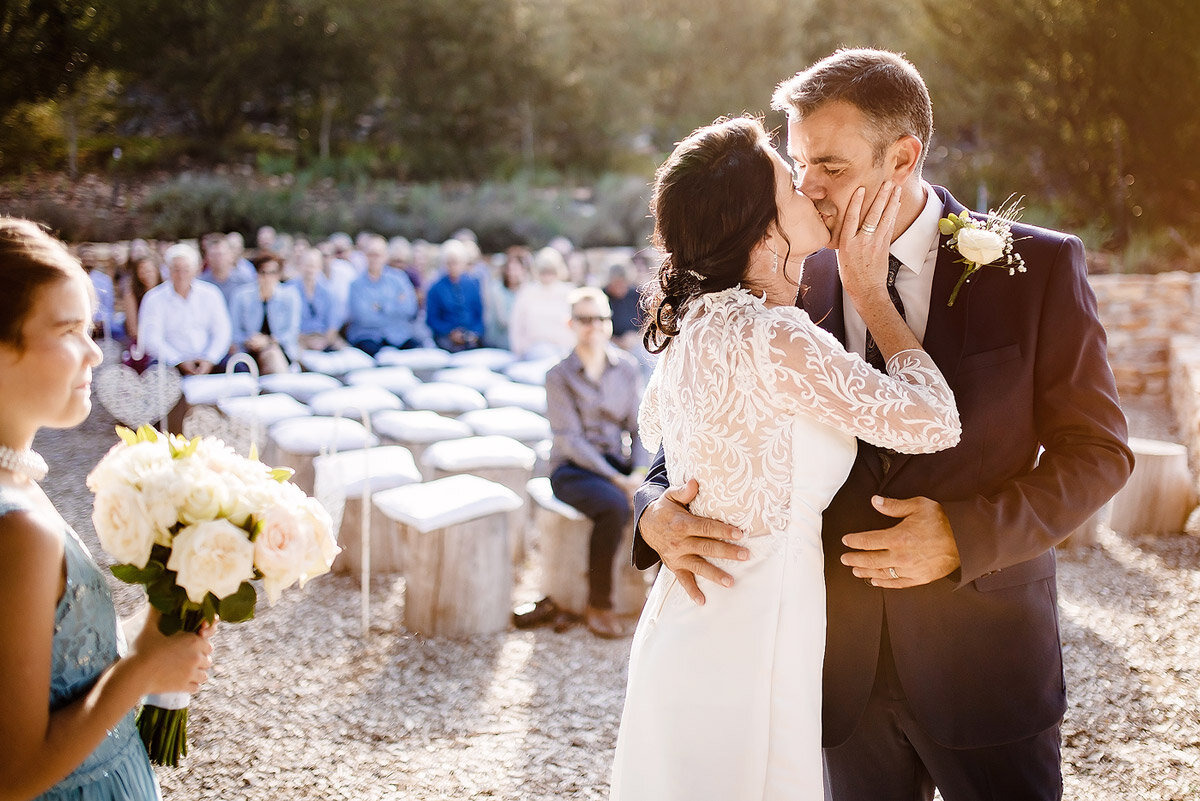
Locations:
{"points": [[86, 641]]}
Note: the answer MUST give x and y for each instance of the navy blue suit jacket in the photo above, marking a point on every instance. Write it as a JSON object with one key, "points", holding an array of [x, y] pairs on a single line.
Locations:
{"points": [[1043, 446]]}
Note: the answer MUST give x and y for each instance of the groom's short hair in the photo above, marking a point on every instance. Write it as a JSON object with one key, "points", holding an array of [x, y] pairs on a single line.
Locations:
{"points": [[883, 85]]}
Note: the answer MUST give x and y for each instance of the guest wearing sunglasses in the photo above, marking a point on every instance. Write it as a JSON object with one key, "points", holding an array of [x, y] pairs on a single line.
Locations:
{"points": [[592, 399]]}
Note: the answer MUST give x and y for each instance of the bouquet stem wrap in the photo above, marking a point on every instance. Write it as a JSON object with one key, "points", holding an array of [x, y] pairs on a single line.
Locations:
{"points": [[162, 722]]}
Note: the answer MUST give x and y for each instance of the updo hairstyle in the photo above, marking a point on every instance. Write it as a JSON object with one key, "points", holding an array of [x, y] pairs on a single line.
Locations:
{"points": [[29, 259]]}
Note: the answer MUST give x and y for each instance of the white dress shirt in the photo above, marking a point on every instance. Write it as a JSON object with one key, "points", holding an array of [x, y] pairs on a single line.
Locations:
{"points": [[917, 250], [175, 329]]}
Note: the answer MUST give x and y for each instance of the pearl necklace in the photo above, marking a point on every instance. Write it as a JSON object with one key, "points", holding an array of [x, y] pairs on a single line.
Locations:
{"points": [[28, 463]]}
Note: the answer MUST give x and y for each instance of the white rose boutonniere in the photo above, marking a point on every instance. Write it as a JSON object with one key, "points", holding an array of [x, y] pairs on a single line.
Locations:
{"points": [[983, 243]]}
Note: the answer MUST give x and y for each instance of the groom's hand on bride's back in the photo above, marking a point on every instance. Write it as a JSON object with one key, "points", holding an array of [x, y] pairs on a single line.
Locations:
{"points": [[685, 542]]}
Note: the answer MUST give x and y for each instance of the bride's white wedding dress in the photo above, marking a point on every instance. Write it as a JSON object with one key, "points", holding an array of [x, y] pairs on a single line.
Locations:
{"points": [[762, 407]]}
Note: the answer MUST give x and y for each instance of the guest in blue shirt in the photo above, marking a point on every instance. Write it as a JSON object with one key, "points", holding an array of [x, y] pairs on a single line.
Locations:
{"points": [[266, 318], [318, 307], [222, 271], [454, 306], [383, 305], [104, 320]]}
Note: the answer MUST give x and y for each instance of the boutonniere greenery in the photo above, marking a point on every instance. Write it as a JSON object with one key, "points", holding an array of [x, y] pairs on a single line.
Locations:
{"points": [[983, 243]]}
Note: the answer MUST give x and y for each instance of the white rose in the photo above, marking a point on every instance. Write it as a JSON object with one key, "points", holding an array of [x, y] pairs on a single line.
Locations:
{"points": [[215, 557], [324, 540], [158, 490], [979, 245], [283, 548], [123, 525], [128, 463], [199, 493]]}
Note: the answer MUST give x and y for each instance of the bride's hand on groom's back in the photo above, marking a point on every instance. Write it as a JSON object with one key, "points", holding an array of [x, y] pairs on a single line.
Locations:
{"points": [[685, 542]]}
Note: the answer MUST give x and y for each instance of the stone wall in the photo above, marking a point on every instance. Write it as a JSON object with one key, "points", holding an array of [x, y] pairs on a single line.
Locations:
{"points": [[1141, 314]]}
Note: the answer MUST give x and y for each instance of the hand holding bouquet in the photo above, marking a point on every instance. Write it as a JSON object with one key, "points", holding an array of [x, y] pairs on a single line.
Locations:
{"points": [[195, 523]]}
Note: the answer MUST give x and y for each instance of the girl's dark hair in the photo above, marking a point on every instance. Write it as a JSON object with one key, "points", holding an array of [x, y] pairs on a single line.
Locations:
{"points": [[713, 202], [136, 283], [263, 259], [29, 259]]}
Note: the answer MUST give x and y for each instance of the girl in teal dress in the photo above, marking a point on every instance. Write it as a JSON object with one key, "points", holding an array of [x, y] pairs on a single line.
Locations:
{"points": [[69, 685]]}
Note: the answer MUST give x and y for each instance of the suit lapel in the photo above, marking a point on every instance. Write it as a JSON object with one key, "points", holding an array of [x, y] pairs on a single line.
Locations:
{"points": [[945, 332]]}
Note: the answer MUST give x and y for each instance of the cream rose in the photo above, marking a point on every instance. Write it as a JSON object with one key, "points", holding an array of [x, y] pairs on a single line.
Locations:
{"points": [[282, 550], [979, 245], [200, 494], [128, 464], [215, 556], [324, 540], [158, 490], [123, 525]]}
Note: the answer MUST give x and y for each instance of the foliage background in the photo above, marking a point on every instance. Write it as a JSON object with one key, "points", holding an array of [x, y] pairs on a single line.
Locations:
{"points": [[1086, 107]]}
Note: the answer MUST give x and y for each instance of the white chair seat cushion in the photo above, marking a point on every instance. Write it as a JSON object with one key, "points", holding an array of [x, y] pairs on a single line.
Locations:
{"points": [[378, 469], [413, 358], [510, 393], [477, 453], [508, 421], [418, 427], [476, 378], [310, 435], [350, 401], [486, 358], [263, 410], [446, 502], [393, 379], [336, 362], [446, 398], [301, 386], [541, 493], [208, 389], [533, 372]]}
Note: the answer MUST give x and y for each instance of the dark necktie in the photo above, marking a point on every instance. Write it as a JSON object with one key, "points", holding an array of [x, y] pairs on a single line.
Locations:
{"points": [[874, 357]]}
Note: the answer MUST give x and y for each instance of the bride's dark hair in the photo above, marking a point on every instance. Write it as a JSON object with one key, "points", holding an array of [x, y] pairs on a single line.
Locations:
{"points": [[713, 202]]}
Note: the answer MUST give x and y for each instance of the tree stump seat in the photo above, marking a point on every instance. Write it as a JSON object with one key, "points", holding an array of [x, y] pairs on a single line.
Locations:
{"points": [[458, 571], [1159, 494]]}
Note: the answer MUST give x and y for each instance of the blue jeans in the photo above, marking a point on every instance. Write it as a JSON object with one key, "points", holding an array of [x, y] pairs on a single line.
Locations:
{"points": [[609, 509]]}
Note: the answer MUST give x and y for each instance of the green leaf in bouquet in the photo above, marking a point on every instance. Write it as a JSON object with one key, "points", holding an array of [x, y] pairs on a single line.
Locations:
{"points": [[240, 605], [282, 474], [127, 436], [146, 433], [170, 624], [209, 607], [131, 574]]}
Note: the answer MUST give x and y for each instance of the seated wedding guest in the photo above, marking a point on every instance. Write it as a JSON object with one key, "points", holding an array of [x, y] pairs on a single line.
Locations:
{"points": [[264, 239], [454, 306], [104, 320], [499, 293], [383, 305], [625, 300], [266, 318], [70, 686], [237, 248], [183, 322], [541, 312], [143, 274], [592, 400], [318, 321], [400, 257], [221, 270]]}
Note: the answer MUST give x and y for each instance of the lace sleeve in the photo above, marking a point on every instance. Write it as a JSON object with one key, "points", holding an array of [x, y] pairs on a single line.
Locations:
{"points": [[650, 428], [911, 409]]}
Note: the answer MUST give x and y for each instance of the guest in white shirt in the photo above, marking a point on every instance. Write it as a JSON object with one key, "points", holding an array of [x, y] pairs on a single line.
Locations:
{"points": [[183, 322], [540, 324]]}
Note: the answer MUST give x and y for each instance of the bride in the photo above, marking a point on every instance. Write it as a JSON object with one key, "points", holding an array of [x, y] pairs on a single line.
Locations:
{"points": [[763, 408]]}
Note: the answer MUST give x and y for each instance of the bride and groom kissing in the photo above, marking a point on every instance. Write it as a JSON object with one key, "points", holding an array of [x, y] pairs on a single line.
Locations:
{"points": [[864, 467]]}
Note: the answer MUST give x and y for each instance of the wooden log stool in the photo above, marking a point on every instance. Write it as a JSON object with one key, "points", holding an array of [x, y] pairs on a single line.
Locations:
{"points": [[301, 386], [353, 475], [458, 575], [1159, 494], [417, 430], [526, 427], [256, 414], [335, 362], [422, 361], [564, 535], [443, 398], [351, 401], [496, 458], [298, 441], [394, 379]]}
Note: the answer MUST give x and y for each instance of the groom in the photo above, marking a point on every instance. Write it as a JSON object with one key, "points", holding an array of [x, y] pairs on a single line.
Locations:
{"points": [[943, 665]]}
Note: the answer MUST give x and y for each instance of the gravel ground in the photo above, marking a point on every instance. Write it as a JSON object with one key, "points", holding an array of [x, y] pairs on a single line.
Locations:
{"points": [[301, 707]]}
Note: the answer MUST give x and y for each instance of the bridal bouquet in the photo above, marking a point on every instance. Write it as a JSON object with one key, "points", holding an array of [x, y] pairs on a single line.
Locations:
{"points": [[195, 523]]}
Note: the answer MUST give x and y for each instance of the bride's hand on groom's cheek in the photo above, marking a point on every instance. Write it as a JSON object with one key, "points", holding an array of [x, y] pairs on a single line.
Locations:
{"points": [[919, 549], [685, 542]]}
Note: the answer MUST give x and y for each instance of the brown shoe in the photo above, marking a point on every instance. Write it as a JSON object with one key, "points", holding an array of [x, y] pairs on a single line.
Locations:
{"points": [[605, 623]]}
